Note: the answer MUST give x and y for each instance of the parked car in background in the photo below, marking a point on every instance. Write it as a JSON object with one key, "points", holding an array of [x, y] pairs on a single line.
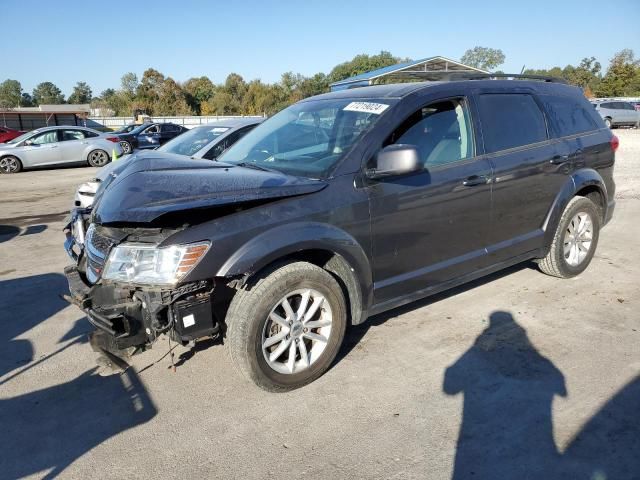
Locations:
{"points": [[7, 134], [211, 140], [616, 113], [205, 141], [126, 128], [149, 135], [56, 146], [340, 207]]}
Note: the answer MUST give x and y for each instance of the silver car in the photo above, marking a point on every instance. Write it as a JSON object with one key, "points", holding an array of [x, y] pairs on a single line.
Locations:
{"points": [[205, 141], [616, 113], [56, 146]]}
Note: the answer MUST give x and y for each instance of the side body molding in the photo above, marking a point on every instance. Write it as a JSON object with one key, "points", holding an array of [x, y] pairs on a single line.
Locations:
{"points": [[290, 239], [580, 179]]}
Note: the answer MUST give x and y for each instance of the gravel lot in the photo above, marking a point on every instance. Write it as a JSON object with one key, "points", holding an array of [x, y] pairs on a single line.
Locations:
{"points": [[516, 376]]}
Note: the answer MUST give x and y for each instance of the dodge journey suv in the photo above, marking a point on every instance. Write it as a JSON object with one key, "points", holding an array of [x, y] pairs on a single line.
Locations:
{"points": [[340, 207]]}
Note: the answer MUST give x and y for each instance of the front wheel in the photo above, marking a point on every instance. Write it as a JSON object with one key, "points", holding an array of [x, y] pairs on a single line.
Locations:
{"points": [[10, 164], [575, 240], [98, 158], [286, 327], [608, 123]]}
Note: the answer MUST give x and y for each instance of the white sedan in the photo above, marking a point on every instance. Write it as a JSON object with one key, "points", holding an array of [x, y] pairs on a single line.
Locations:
{"points": [[56, 146]]}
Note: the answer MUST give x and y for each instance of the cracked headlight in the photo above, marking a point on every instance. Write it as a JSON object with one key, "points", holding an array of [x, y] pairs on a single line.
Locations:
{"points": [[144, 263]]}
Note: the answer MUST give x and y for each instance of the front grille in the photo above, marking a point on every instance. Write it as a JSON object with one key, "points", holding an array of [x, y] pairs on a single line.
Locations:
{"points": [[97, 249]]}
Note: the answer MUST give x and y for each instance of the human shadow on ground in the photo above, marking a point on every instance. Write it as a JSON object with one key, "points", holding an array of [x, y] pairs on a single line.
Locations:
{"points": [[507, 425]]}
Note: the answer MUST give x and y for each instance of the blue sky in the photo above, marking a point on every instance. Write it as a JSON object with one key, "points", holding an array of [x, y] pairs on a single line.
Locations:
{"points": [[68, 41]]}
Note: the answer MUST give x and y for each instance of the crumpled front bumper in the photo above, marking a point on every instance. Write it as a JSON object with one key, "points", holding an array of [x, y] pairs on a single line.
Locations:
{"points": [[130, 318]]}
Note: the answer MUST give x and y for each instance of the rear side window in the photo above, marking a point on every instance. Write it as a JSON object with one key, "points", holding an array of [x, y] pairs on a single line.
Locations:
{"points": [[88, 134], [568, 115], [608, 105], [510, 120]]}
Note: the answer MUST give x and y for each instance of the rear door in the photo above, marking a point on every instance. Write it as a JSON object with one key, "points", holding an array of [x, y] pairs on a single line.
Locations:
{"points": [[168, 131], [72, 144], [529, 169], [431, 226], [43, 149]]}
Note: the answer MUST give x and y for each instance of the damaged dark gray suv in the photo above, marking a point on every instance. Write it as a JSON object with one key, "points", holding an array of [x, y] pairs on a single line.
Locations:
{"points": [[340, 207]]}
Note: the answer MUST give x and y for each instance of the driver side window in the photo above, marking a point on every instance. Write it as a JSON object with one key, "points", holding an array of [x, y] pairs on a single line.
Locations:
{"points": [[44, 138], [152, 129], [441, 132]]}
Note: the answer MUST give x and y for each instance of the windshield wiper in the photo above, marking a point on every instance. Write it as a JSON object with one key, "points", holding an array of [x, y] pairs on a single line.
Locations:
{"points": [[255, 166]]}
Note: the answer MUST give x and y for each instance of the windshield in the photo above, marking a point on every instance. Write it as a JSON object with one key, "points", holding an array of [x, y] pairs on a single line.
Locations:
{"points": [[193, 141], [308, 138], [22, 137]]}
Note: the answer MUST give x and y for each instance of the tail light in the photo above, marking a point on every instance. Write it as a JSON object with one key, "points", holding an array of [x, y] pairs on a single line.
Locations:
{"points": [[113, 139], [615, 143]]}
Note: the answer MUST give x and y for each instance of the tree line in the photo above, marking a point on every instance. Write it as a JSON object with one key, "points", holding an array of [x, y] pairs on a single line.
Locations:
{"points": [[157, 94]]}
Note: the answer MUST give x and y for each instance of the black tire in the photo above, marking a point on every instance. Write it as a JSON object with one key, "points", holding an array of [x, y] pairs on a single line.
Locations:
{"points": [[127, 148], [248, 317], [98, 158], [10, 164], [608, 122], [555, 263]]}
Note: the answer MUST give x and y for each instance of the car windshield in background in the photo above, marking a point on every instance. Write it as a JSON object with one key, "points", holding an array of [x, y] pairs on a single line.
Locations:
{"points": [[22, 137], [308, 138], [193, 141]]}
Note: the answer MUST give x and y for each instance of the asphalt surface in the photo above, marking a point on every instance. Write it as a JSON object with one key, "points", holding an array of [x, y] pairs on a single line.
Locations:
{"points": [[519, 375]]}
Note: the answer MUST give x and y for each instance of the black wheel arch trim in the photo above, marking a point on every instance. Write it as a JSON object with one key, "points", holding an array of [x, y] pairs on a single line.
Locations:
{"points": [[579, 180], [295, 239]]}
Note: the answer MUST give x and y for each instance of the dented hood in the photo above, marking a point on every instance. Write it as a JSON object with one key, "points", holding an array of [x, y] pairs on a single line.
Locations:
{"points": [[156, 184]]}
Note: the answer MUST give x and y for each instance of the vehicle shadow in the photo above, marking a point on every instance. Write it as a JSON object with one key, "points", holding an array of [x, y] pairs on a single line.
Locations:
{"points": [[47, 430], [355, 333], [507, 422], [44, 431], [25, 303]]}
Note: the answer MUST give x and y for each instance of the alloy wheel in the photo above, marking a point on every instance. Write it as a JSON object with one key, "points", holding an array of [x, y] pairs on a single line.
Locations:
{"points": [[9, 165], [297, 331], [577, 238]]}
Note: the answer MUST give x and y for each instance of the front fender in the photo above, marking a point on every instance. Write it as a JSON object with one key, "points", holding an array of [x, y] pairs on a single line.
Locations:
{"points": [[292, 238], [585, 177]]}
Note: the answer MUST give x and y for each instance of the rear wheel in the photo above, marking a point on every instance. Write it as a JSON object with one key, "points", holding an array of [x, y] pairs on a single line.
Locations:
{"points": [[98, 158], [286, 327], [10, 164], [575, 240], [126, 147]]}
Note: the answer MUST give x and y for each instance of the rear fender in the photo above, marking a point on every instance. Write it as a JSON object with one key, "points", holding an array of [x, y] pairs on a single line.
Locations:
{"points": [[580, 179]]}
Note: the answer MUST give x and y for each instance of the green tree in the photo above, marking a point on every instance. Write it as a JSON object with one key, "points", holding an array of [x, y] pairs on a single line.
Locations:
{"points": [[129, 84], [81, 94], [10, 94], [47, 93], [361, 64], [483, 58], [198, 91], [148, 91], [26, 100], [171, 100], [622, 78]]}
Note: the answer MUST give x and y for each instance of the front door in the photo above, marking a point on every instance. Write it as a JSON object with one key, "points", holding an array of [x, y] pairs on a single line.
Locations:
{"points": [[42, 149], [431, 226]]}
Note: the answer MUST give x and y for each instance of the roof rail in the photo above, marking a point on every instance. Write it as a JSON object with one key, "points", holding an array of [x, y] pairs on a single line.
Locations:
{"points": [[509, 76]]}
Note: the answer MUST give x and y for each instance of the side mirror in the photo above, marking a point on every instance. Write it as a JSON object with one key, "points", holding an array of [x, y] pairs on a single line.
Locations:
{"points": [[394, 160]]}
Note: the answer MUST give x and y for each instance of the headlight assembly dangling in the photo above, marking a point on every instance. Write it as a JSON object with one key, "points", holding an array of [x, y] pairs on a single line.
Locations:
{"points": [[144, 263]]}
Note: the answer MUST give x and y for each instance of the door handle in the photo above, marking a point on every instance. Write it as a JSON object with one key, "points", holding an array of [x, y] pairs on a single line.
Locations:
{"points": [[474, 180], [559, 159]]}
